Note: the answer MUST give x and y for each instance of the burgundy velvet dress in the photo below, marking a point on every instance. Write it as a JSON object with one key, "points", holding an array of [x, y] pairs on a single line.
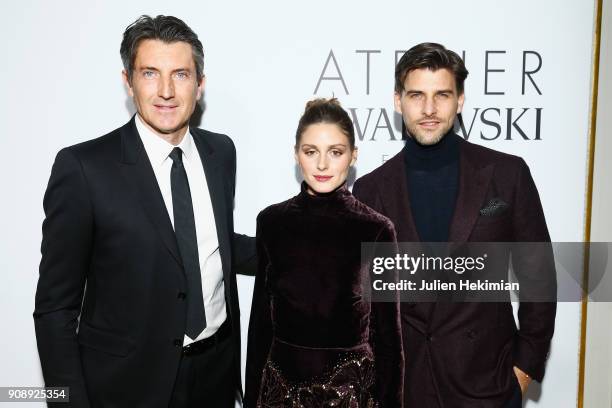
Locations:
{"points": [[315, 340]]}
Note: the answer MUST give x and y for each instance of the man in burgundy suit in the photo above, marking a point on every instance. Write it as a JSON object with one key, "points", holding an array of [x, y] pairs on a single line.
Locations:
{"points": [[440, 188]]}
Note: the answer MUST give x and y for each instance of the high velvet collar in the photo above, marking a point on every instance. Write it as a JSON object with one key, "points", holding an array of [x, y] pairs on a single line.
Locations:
{"points": [[337, 197]]}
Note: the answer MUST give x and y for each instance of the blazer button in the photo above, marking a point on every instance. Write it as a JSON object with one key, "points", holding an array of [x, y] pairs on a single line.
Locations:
{"points": [[429, 337], [181, 295], [178, 342]]}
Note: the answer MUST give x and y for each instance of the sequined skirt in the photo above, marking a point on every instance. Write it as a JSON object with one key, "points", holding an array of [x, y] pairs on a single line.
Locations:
{"points": [[301, 377]]}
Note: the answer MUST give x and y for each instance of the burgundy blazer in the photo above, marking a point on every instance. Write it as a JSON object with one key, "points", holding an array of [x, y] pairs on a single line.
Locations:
{"points": [[462, 354]]}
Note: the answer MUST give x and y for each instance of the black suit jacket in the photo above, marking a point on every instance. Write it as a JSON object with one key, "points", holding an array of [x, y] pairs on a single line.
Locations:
{"points": [[111, 267], [461, 354]]}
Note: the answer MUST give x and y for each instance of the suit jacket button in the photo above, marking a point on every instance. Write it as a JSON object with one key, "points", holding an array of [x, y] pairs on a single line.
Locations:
{"points": [[181, 295], [178, 342], [429, 337]]}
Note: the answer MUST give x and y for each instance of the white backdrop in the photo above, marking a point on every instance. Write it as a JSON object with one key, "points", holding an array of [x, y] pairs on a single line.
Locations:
{"points": [[61, 85]]}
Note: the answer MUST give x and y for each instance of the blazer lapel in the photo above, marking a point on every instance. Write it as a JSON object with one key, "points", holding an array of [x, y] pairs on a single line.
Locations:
{"points": [[138, 171], [217, 186], [396, 200], [473, 185]]}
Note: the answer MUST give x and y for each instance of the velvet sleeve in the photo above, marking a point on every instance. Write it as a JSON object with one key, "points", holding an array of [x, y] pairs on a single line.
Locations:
{"points": [[386, 342], [260, 323]]}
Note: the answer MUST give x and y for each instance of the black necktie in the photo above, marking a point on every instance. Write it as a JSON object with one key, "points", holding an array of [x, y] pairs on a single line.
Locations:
{"points": [[184, 228]]}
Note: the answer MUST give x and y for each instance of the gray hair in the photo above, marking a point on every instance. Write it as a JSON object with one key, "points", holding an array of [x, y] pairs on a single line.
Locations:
{"points": [[164, 28]]}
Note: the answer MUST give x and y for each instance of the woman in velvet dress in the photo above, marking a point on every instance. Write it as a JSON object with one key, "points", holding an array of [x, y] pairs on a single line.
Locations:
{"points": [[315, 340]]}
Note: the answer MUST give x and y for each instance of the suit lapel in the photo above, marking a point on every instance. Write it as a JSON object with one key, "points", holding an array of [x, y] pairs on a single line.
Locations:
{"points": [[396, 200], [137, 170], [473, 185], [217, 189]]}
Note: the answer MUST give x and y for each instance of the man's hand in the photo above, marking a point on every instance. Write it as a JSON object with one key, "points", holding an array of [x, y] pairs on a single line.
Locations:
{"points": [[523, 379]]}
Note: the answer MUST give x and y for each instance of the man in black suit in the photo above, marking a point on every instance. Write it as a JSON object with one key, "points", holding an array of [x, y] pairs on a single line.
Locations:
{"points": [[137, 304], [441, 188]]}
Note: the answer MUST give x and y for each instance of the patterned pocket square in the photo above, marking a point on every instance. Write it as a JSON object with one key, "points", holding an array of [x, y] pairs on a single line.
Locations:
{"points": [[494, 207]]}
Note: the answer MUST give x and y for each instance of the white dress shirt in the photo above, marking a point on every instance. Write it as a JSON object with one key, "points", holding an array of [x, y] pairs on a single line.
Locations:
{"points": [[158, 151]]}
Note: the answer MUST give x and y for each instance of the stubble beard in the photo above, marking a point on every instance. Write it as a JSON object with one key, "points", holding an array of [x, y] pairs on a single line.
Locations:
{"points": [[425, 138]]}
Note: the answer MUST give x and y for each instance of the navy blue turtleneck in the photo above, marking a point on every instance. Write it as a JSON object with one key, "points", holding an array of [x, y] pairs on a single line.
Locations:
{"points": [[433, 183]]}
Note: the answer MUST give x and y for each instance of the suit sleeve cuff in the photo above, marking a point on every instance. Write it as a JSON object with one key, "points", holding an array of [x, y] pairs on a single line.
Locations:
{"points": [[531, 358]]}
